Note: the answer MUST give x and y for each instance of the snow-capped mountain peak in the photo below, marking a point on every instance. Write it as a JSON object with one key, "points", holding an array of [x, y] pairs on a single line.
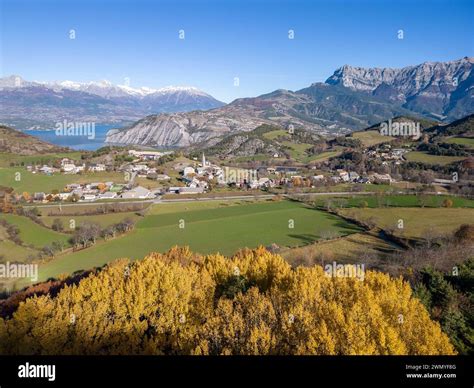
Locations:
{"points": [[101, 101], [103, 88], [70, 85]]}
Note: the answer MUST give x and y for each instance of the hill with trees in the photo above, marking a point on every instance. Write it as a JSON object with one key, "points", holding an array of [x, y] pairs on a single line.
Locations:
{"points": [[19, 143]]}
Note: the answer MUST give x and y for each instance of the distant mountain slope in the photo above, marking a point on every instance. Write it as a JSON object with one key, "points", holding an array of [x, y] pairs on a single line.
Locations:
{"points": [[437, 89], [322, 108], [461, 127], [352, 99], [33, 105], [19, 143], [425, 124]]}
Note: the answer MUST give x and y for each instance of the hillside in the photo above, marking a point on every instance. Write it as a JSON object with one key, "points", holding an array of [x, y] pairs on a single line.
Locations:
{"points": [[269, 140], [19, 143], [461, 127], [425, 124], [336, 107], [323, 109]]}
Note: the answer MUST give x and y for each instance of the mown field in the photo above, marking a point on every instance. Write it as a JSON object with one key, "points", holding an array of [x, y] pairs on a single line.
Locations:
{"points": [[416, 222], [423, 157], [9, 251], [321, 157], [376, 201], [208, 228], [103, 220], [371, 138], [297, 151], [349, 249], [33, 234], [466, 141], [272, 135]]}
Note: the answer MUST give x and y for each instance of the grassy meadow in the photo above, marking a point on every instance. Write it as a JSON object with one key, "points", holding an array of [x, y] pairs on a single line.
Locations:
{"points": [[423, 157], [207, 227]]}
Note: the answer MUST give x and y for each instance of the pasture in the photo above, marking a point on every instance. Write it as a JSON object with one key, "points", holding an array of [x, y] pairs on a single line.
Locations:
{"points": [[208, 228]]}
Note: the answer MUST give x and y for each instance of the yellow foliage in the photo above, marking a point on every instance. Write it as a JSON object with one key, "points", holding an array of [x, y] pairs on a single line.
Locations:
{"points": [[253, 303]]}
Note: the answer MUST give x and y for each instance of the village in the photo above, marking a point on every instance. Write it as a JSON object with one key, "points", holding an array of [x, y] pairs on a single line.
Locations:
{"points": [[194, 177]]}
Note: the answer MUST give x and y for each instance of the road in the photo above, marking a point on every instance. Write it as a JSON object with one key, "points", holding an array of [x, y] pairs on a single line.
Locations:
{"points": [[223, 198]]}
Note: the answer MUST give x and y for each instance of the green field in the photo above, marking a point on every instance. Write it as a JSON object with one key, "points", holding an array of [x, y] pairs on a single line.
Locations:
{"points": [[180, 207], [33, 234], [9, 251], [374, 201], [272, 135], [103, 220], [423, 157], [222, 229], [371, 138], [32, 183], [297, 151], [416, 222], [321, 157], [466, 141]]}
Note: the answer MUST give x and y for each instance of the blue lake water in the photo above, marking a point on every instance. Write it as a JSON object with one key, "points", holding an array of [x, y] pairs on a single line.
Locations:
{"points": [[75, 142]]}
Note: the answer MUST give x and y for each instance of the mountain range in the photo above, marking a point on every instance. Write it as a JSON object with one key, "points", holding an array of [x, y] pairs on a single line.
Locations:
{"points": [[39, 105], [351, 99]]}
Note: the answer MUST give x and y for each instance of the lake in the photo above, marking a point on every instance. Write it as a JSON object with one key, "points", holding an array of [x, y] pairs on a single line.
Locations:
{"points": [[75, 142]]}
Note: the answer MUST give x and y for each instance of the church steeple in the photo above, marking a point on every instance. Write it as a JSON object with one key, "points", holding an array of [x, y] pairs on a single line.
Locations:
{"points": [[203, 160]]}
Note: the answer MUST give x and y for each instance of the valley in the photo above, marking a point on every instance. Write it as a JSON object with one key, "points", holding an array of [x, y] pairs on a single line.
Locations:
{"points": [[309, 176]]}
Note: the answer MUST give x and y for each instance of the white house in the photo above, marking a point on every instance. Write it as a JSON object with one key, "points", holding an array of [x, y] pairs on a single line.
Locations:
{"points": [[97, 167], [69, 168], [174, 189], [140, 167], [152, 155], [65, 161], [188, 171], [107, 195], [191, 190], [344, 176], [88, 197], [381, 178], [138, 192], [46, 170]]}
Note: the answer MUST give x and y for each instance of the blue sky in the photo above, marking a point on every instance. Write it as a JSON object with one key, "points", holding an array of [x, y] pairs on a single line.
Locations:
{"points": [[139, 40]]}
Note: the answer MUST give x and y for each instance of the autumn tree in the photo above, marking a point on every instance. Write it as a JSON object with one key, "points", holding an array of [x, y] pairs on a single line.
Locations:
{"points": [[448, 203], [252, 303]]}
